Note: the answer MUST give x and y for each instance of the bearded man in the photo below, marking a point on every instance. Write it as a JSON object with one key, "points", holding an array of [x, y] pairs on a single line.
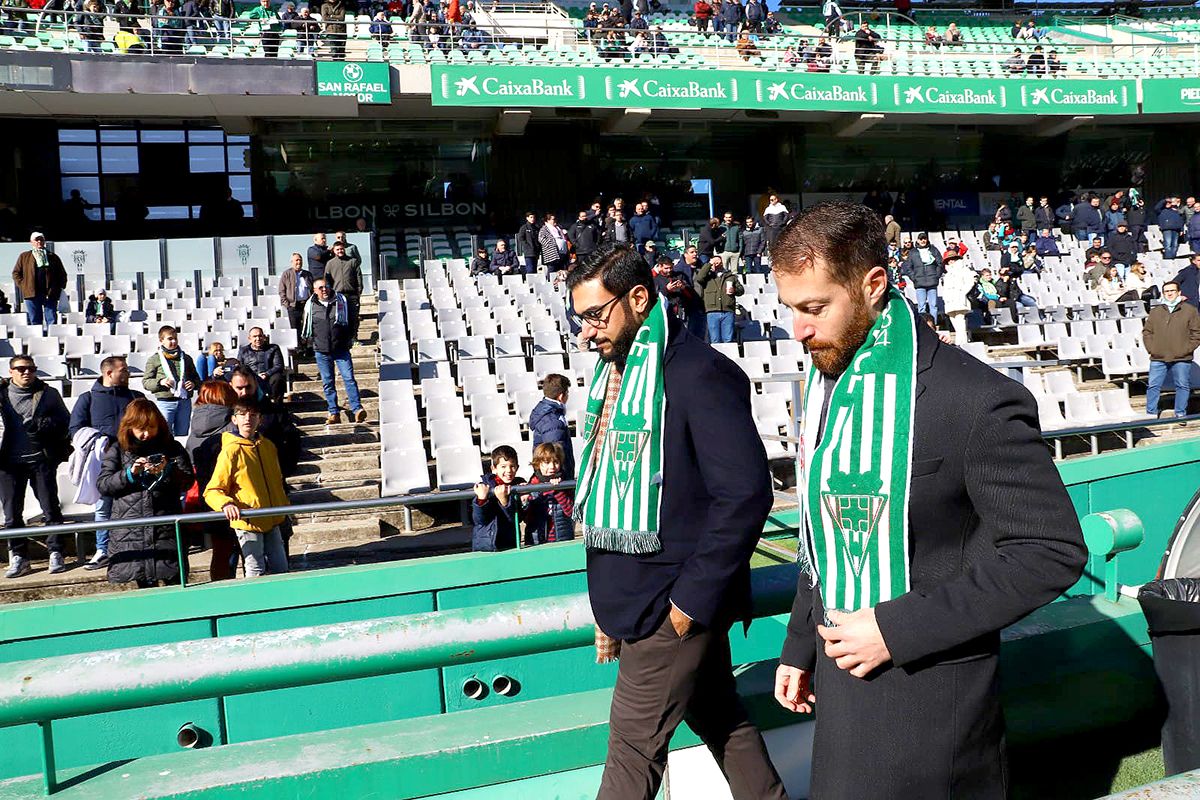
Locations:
{"points": [[934, 517], [672, 495]]}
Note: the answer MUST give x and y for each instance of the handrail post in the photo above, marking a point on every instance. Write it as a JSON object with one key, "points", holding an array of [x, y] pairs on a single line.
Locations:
{"points": [[179, 552], [49, 779]]}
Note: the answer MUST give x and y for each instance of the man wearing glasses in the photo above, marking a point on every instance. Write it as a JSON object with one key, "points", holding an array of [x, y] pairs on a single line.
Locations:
{"points": [[327, 326], [34, 443], [1171, 334], [671, 505], [40, 276]]}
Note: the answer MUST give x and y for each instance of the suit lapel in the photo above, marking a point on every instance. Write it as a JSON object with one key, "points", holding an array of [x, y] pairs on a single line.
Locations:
{"points": [[927, 344], [675, 332]]}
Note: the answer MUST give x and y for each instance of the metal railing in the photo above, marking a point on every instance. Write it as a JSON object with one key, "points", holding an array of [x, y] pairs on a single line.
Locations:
{"points": [[793, 49]]}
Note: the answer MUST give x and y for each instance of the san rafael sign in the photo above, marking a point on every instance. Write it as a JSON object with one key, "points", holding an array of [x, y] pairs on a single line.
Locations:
{"points": [[370, 82]]}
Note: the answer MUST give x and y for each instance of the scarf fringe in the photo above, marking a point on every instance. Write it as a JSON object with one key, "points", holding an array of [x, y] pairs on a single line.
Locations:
{"points": [[620, 540]]}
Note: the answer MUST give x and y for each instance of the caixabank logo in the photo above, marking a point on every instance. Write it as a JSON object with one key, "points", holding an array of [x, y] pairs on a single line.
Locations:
{"points": [[478, 87], [936, 96], [807, 93], [668, 90], [1047, 99]]}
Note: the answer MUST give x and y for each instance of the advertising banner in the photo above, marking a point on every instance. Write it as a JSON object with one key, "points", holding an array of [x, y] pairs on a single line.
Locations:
{"points": [[1171, 96], [370, 82], [623, 87]]}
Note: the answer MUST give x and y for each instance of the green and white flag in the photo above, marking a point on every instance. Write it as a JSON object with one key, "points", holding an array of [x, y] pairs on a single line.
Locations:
{"points": [[620, 483], [857, 479]]}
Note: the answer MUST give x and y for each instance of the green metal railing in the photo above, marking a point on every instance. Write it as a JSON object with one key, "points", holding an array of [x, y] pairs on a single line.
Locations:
{"points": [[61, 687]]}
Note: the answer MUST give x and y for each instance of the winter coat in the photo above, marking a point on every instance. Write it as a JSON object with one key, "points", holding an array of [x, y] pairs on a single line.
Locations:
{"points": [[1026, 218], [643, 227], [548, 514], [1193, 228], [25, 276], [585, 236], [1123, 248], [327, 325], [548, 424], [712, 286], [146, 554], [346, 276], [551, 254], [1043, 217], [527, 240], [47, 430], [96, 310], [753, 242], [157, 369], [733, 238], [288, 283], [924, 276], [702, 10], [269, 360], [333, 14], [203, 446], [1086, 219], [1112, 219], [247, 474], [709, 240], [317, 257], [1189, 284], [1172, 335], [495, 528], [207, 366], [101, 408], [1046, 246]]}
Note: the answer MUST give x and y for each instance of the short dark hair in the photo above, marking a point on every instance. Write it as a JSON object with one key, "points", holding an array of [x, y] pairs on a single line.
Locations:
{"points": [[620, 268], [1170, 283], [848, 237], [165, 329], [246, 405], [111, 362], [245, 372], [555, 385], [12, 362], [504, 453]]}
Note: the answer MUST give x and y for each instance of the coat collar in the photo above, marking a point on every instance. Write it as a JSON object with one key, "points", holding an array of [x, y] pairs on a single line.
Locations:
{"points": [[928, 344], [675, 334]]}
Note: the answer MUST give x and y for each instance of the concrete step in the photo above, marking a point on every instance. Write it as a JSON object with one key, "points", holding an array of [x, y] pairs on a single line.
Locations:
{"points": [[311, 453], [314, 421], [308, 534], [327, 479], [364, 382], [313, 394], [305, 404], [354, 461], [363, 491], [323, 441]]}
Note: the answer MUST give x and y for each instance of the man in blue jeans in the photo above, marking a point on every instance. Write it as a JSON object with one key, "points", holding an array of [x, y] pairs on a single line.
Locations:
{"points": [[1171, 334], [720, 289], [40, 276], [327, 326], [925, 268]]}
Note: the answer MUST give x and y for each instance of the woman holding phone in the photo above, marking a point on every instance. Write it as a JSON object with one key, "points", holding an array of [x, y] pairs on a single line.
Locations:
{"points": [[146, 473]]}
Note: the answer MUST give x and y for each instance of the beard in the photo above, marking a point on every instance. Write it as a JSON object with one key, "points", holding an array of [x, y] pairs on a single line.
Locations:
{"points": [[622, 340], [832, 357]]}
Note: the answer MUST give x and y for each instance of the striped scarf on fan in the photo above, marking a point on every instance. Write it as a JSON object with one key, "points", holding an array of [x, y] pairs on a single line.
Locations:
{"points": [[620, 485], [857, 479]]}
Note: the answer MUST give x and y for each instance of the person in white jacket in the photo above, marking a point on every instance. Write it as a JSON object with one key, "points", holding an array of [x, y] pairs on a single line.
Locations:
{"points": [[956, 282]]}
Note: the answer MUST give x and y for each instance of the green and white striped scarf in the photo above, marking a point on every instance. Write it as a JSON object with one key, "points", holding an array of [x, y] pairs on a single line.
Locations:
{"points": [[620, 485], [857, 479]]}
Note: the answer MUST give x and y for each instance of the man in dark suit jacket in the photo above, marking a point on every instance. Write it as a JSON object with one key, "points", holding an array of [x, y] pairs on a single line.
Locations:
{"points": [[671, 610], [908, 696]]}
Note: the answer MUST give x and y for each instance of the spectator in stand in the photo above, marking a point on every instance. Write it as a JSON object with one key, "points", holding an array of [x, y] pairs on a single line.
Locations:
{"points": [[210, 418], [1170, 223], [266, 361], [643, 226], [616, 229], [774, 217], [753, 244], [638, 23], [481, 262], [924, 267], [268, 26], [702, 13], [1095, 250], [731, 242], [553, 242], [195, 23], [504, 261], [40, 277], [1030, 260], [1015, 64], [1027, 217], [170, 376], [339, 237], [1036, 65], [318, 256], [1193, 229], [1053, 65], [1114, 216], [651, 255], [326, 324], [1123, 248], [1137, 281], [984, 296], [1188, 280], [731, 19], [295, 287], [1011, 257], [891, 231], [247, 475], [1098, 268], [771, 25], [755, 15], [91, 25], [720, 289], [832, 12], [954, 249], [146, 474], [822, 62], [548, 513], [1136, 217], [275, 422], [709, 240], [1086, 222], [1109, 287], [308, 31], [381, 29], [1171, 334], [223, 12], [1011, 293], [333, 15], [99, 308], [674, 283], [1043, 215], [933, 38], [584, 235], [33, 443], [953, 35], [527, 243], [494, 510], [868, 48], [169, 28], [344, 273], [548, 420], [99, 410]]}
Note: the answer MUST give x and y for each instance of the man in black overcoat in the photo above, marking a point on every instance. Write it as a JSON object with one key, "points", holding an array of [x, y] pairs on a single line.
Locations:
{"points": [[907, 690]]}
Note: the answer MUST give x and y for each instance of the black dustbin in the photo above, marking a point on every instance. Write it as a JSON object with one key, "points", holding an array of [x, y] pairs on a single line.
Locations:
{"points": [[1172, 609]]}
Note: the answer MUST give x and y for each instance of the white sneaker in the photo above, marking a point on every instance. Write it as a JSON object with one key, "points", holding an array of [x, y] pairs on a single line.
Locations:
{"points": [[98, 561], [17, 567], [57, 564]]}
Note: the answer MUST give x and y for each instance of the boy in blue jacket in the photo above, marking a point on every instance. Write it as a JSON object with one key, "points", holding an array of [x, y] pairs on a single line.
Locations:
{"points": [[548, 420], [494, 510]]}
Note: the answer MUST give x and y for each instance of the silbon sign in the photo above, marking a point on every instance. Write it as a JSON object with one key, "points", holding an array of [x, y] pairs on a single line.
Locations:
{"points": [[369, 82]]}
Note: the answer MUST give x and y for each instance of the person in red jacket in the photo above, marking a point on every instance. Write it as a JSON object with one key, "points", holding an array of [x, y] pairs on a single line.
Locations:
{"points": [[703, 12]]}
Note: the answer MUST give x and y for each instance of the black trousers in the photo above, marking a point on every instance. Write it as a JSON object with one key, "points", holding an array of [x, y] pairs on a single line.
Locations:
{"points": [[14, 480], [664, 680], [353, 303]]}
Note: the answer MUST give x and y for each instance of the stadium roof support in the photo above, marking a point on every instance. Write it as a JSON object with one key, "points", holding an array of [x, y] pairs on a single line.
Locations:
{"points": [[852, 125], [1053, 126], [512, 121], [626, 120]]}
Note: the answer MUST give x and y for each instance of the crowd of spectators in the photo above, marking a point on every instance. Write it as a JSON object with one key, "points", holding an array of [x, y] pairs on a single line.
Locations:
{"points": [[126, 457]]}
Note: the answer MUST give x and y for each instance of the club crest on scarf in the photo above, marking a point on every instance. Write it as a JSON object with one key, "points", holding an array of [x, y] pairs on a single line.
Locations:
{"points": [[855, 506]]}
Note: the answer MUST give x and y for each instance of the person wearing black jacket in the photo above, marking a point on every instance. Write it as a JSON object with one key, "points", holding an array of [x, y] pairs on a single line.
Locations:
{"points": [[1136, 217], [266, 361], [1043, 215], [327, 325], [99, 308], [1123, 248], [1086, 220], [671, 610], [527, 243], [1170, 222], [925, 268], [35, 441], [584, 236], [709, 240], [275, 423]]}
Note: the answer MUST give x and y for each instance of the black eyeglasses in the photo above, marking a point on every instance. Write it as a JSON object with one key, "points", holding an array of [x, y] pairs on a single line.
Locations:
{"points": [[596, 316], [24, 369]]}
